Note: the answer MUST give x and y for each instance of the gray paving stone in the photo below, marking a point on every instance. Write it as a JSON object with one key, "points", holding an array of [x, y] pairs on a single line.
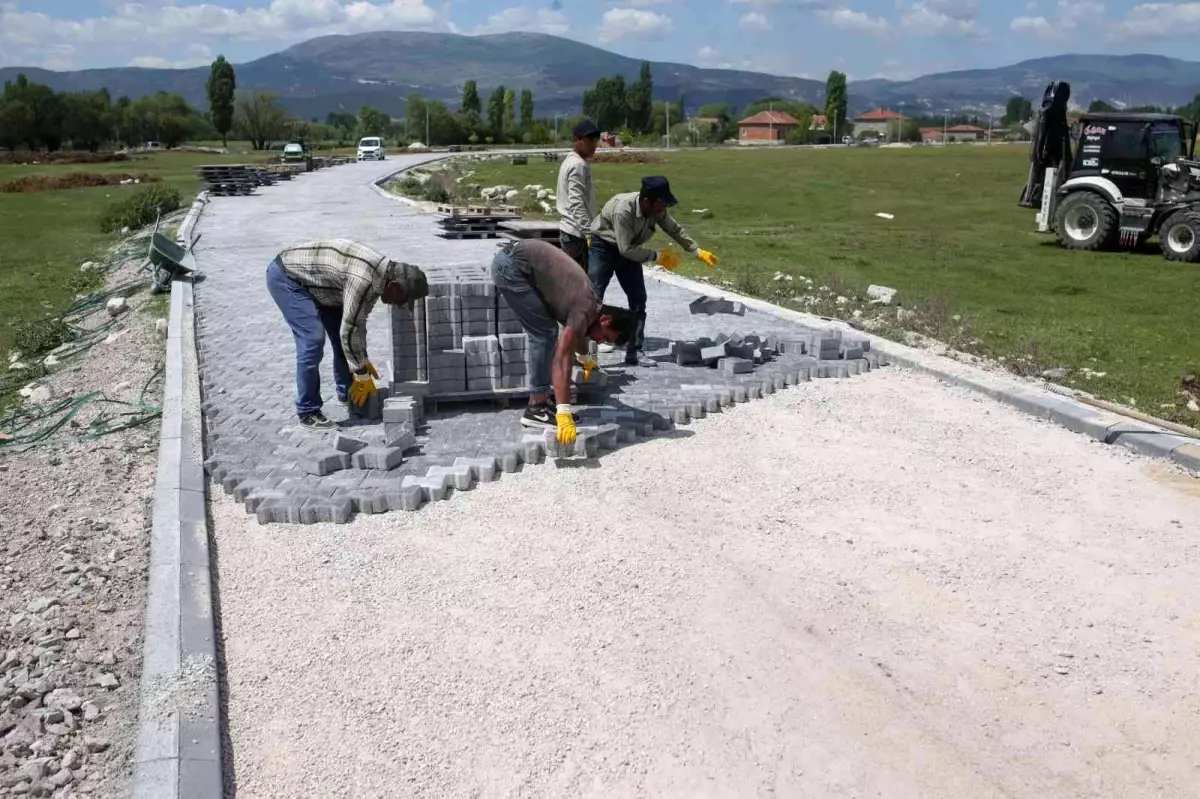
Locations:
{"points": [[256, 450]]}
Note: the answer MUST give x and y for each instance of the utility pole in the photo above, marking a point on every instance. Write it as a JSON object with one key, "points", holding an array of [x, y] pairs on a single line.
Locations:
{"points": [[667, 106], [427, 144]]}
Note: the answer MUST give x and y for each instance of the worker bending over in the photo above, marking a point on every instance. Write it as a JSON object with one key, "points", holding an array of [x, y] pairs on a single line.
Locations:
{"points": [[545, 289], [576, 194], [623, 226], [327, 288]]}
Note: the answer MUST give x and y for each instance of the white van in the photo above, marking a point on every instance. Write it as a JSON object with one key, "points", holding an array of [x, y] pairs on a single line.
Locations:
{"points": [[370, 148]]}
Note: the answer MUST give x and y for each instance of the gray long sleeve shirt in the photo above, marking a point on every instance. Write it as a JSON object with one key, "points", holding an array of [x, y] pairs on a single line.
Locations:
{"points": [[576, 197], [621, 222]]}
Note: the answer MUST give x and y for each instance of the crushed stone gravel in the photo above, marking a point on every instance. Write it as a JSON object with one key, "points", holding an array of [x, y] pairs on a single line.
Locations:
{"points": [[859, 587]]}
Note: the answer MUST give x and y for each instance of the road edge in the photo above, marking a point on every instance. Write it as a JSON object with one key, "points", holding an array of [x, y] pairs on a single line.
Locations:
{"points": [[1026, 396], [178, 749]]}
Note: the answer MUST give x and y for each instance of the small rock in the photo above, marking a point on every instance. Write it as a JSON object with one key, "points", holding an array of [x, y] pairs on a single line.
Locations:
{"points": [[63, 699], [41, 395], [160, 327], [73, 634], [87, 266], [105, 607], [117, 306], [881, 295], [41, 604], [1193, 407], [94, 745], [72, 760], [61, 777], [108, 681], [1057, 373], [50, 361], [91, 712]]}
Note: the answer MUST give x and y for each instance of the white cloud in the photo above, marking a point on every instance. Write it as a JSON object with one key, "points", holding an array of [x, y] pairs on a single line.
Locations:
{"points": [[710, 57], [1070, 16], [1037, 26], [956, 18], [621, 24], [647, 2], [855, 21], [754, 21], [1159, 20], [25, 36], [198, 55], [524, 18]]}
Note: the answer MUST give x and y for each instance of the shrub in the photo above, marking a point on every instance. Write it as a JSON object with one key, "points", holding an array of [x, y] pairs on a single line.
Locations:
{"points": [[40, 336], [140, 209]]}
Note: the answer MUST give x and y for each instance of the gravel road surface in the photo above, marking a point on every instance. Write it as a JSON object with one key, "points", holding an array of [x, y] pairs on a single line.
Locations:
{"points": [[868, 587]]}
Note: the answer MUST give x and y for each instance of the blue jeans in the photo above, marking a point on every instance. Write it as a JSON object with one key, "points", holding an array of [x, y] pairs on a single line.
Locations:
{"points": [[311, 324], [518, 291], [604, 261]]}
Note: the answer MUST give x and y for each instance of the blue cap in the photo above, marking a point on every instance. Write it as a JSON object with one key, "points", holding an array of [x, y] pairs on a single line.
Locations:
{"points": [[585, 129], [656, 187]]}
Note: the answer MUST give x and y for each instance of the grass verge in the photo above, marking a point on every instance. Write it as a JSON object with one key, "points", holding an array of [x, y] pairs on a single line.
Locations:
{"points": [[799, 227]]}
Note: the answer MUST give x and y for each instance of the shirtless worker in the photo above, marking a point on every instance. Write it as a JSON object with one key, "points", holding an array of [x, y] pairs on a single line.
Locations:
{"points": [[619, 234], [546, 289], [577, 195], [327, 288]]}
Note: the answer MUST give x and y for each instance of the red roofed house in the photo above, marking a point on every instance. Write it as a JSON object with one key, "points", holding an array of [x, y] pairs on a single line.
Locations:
{"points": [[879, 121], [766, 127], [931, 135], [966, 133]]}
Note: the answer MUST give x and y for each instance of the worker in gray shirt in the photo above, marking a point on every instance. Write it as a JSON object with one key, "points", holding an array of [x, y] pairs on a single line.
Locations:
{"points": [[576, 194], [619, 235]]}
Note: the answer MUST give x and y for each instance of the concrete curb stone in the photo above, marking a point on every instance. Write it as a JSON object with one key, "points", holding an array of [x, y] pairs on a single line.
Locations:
{"points": [[178, 748]]}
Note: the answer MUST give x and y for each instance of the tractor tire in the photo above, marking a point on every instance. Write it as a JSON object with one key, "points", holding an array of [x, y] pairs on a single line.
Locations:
{"points": [[1086, 221], [1179, 237]]}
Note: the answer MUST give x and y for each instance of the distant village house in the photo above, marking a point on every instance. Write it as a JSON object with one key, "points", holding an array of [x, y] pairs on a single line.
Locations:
{"points": [[766, 127]]}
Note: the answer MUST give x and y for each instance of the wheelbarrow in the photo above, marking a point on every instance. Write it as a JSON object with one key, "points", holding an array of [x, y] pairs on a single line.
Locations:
{"points": [[167, 260]]}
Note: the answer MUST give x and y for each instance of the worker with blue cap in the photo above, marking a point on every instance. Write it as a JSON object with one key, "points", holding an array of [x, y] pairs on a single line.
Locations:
{"points": [[619, 234]]}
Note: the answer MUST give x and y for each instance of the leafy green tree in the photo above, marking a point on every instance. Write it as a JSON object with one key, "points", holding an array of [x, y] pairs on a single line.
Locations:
{"points": [[341, 126], [221, 88], [526, 110], [89, 119], [1018, 110], [1100, 107], [606, 103], [373, 122], [16, 123], [539, 134], [259, 118], [495, 112], [640, 100], [510, 111], [837, 102], [470, 99]]}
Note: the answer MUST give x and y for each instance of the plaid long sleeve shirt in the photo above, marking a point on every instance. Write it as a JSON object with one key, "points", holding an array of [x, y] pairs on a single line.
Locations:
{"points": [[341, 272]]}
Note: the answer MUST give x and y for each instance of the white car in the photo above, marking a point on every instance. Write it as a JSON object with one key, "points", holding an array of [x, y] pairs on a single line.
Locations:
{"points": [[371, 149]]}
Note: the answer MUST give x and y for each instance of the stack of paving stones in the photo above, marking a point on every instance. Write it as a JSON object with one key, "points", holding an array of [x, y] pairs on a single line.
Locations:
{"points": [[462, 342], [474, 223]]}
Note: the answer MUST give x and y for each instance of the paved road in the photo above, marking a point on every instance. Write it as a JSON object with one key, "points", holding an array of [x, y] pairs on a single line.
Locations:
{"points": [[867, 587], [255, 449]]}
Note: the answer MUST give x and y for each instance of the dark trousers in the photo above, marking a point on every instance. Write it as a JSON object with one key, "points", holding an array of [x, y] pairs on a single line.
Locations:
{"points": [[311, 324], [575, 247], [605, 261]]}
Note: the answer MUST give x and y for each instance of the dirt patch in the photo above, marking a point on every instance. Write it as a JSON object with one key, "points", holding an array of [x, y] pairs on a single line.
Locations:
{"points": [[627, 158], [74, 516], [73, 180], [62, 157]]}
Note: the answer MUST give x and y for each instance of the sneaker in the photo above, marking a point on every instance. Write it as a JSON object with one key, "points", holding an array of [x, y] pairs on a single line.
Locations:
{"points": [[315, 421], [604, 346], [538, 416]]}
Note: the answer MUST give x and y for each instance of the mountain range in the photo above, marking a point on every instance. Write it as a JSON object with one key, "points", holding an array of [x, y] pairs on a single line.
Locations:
{"points": [[341, 73]]}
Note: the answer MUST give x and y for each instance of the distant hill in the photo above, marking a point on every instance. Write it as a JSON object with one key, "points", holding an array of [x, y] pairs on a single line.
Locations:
{"points": [[344, 72]]}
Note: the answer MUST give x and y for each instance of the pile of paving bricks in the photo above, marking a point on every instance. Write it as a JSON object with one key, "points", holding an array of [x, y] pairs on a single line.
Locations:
{"points": [[463, 341], [827, 352]]}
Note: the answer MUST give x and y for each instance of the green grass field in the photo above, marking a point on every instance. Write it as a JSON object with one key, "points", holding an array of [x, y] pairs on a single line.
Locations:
{"points": [[48, 234], [959, 246]]}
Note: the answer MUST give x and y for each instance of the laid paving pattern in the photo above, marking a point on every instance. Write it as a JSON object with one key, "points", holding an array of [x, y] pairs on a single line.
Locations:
{"points": [[700, 360]]}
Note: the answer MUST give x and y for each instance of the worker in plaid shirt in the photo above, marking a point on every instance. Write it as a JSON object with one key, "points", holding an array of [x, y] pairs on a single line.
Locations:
{"points": [[327, 288]]}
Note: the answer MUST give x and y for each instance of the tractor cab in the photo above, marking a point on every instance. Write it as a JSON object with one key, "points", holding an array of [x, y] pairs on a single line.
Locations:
{"points": [[1129, 150], [1133, 177]]}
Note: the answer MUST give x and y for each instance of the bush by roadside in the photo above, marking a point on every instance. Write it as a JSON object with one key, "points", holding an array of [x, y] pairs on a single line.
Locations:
{"points": [[140, 209]]}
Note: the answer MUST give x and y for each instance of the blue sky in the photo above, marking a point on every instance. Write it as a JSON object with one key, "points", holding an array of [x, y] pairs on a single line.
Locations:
{"points": [[866, 38]]}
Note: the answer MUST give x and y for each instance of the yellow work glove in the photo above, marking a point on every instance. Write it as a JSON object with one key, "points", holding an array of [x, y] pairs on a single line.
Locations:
{"points": [[566, 425], [589, 365], [363, 387], [707, 257], [589, 242], [668, 259]]}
